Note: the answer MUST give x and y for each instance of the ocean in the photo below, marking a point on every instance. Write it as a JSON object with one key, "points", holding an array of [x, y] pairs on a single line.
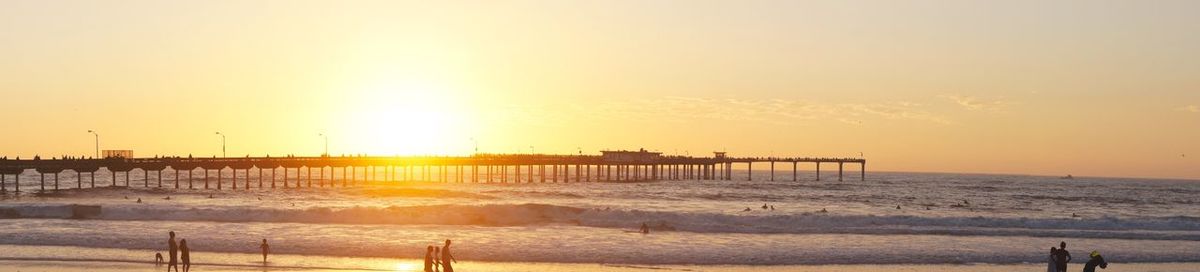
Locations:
{"points": [[891, 218]]}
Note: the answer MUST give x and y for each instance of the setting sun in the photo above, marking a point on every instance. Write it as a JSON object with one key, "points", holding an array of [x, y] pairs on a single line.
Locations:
{"points": [[404, 117]]}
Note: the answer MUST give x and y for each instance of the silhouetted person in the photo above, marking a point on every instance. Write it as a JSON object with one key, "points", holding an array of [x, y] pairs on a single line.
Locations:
{"points": [[173, 253], [447, 258], [265, 249], [437, 259], [158, 259], [1052, 263], [1063, 257], [645, 229], [184, 255], [1096, 260], [429, 258]]}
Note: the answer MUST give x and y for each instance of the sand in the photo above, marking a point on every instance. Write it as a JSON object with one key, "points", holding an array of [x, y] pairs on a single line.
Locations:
{"points": [[61, 258]]}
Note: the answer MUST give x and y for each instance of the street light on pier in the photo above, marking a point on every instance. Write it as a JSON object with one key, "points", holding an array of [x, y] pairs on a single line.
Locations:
{"points": [[93, 132], [326, 143], [222, 144], [476, 142]]}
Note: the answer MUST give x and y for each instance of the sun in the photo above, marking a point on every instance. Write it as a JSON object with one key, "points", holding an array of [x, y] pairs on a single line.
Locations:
{"points": [[405, 118]]}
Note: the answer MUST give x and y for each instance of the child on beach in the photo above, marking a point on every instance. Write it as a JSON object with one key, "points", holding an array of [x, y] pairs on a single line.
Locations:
{"points": [[265, 249], [185, 255]]}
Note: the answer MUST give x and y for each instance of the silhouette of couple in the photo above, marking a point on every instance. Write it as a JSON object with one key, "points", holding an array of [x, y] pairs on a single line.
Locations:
{"points": [[435, 258], [1059, 257], [178, 252]]}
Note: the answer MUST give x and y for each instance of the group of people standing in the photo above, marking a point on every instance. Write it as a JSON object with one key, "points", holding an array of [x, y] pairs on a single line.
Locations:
{"points": [[176, 252], [1059, 257], [179, 253], [436, 258]]}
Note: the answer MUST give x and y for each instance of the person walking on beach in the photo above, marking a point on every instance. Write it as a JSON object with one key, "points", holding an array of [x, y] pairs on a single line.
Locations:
{"points": [[1063, 257], [184, 255], [173, 253], [265, 249], [1096, 260], [437, 259], [447, 258], [429, 258]]}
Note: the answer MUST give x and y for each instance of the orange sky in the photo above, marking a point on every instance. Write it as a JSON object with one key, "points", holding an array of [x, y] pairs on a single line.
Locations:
{"points": [[1094, 88]]}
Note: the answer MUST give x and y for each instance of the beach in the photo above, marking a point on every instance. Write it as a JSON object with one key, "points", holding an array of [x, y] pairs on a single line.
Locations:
{"points": [[973, 223], [104, 260]]}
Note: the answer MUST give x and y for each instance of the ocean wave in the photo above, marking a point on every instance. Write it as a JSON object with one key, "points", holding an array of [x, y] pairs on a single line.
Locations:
{"points": [[1151, 228]]}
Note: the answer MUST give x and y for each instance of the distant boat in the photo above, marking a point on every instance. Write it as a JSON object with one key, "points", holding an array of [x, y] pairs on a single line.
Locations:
{"points": [[1068, 177]]}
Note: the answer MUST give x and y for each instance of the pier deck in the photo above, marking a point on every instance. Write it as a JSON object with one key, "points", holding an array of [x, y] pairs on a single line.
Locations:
{"points": [[345, 171]]}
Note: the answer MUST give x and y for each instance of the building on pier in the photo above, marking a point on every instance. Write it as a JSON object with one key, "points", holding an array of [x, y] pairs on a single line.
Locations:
{"points": [[124, 154], [640, 156]]}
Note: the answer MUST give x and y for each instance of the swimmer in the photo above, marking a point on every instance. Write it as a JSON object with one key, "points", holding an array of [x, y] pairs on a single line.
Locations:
{"points": [[139, 200]]}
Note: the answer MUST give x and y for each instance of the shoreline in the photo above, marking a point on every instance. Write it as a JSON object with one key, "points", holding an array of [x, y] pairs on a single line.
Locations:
{"points": [[116, 266], [32, 258]]}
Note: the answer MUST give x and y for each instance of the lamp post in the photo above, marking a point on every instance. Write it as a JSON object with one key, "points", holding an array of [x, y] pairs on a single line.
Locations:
{"points": [[476, 142], [326, 143], [93, 132], [222, 144]]}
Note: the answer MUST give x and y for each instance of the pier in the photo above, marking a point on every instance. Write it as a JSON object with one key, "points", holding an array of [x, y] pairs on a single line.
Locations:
{"points": [[247, 173]]}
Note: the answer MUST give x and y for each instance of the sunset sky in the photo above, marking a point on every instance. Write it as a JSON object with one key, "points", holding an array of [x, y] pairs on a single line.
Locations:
{"points": [[1090, 88]]}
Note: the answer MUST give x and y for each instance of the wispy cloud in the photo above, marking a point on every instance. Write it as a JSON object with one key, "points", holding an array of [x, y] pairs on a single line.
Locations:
{"points": [[976, 104], [687, 109], [1189, 108]]}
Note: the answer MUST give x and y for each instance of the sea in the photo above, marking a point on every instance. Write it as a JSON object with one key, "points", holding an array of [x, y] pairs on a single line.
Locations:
{"points": [[770, 220]]}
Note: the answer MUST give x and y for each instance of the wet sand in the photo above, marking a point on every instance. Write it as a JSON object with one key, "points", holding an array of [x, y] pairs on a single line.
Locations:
{"points": [[62, 259]]}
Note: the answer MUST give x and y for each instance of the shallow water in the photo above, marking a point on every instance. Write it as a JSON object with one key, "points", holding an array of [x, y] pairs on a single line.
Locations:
{"points": [[942, 218]]}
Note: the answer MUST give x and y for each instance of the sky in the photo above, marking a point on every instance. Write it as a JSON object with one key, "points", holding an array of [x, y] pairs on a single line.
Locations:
{"points": [[1088, 88]]}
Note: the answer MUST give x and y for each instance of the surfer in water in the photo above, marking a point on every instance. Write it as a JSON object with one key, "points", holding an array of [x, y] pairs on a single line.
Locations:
{"points": [[645, 229]]}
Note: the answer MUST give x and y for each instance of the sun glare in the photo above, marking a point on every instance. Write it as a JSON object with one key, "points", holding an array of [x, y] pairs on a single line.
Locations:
{"points": [[406, 267], [405, 118]]}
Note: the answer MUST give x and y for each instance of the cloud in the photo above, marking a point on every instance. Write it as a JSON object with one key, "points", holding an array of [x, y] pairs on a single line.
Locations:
{"points": [[779, 111], [1189, 108], [976, 104]]}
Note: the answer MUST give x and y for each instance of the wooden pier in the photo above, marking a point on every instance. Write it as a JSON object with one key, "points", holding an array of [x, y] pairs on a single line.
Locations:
{"points": [[249, 172]]}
